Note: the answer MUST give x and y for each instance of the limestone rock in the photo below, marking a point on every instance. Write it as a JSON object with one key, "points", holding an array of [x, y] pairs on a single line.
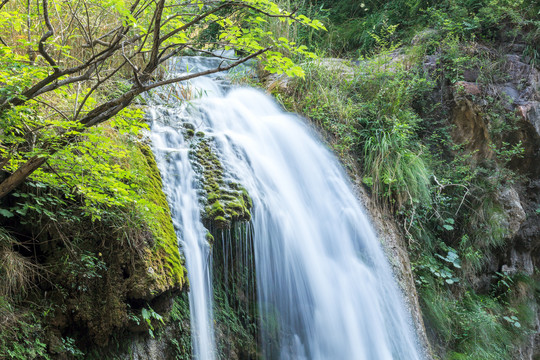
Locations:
{"points": [[515, 215], [343, 66], [467, 88], [279, 83], [470, 127]]}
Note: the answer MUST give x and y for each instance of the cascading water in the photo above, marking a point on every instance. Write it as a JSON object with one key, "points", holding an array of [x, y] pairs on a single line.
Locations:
{"points": [[323, 283], [171, 153]]}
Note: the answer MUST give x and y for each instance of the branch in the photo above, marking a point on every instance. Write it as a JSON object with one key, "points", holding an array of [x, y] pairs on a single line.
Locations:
{"points": [[194, 21], [64, 82], [99, 40], [4, 2], [152, 63], [47, 35], [207, 72], [94, 89]]}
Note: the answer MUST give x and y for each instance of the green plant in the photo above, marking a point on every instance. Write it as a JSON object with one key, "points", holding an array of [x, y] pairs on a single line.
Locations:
{"points": [[68, 346], [148, 315], [180, 318], [21, 334]]}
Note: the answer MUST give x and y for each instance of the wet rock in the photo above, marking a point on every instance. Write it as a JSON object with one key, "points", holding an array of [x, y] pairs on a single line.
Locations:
{"points": [[148, 348]]}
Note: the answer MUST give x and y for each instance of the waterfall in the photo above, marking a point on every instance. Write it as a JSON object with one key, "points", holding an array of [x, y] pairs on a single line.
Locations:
{"points": [[322, 278], [171, 153]]}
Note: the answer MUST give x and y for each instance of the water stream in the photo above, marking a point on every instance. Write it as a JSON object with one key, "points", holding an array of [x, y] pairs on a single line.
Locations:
{"points": [[322, 279], [171, 153]]}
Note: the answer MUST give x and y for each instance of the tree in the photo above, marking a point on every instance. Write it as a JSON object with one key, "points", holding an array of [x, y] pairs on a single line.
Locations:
{"points": [[59, 58]]}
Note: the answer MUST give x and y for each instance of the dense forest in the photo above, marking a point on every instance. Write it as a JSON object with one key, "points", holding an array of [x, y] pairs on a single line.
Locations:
{"points": [[432, 107]]}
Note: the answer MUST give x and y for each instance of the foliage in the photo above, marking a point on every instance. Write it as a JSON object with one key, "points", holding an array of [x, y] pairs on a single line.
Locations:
{"points": [[21, 334], [59, 88], [180, 318], [470, 325], [371, 115], [148, 315], [352, 24]]}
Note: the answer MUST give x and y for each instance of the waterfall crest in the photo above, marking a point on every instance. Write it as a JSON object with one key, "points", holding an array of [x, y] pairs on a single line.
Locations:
{"points": [[324, 287]]}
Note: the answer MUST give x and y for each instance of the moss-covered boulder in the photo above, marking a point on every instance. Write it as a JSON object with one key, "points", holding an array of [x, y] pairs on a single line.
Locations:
{"points": [[163, 266], [225, 202], [91, 279]]}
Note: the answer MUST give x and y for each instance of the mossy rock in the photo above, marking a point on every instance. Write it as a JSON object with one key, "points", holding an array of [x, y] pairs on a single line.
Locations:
{"points": [[224, 202], [164, 267]]}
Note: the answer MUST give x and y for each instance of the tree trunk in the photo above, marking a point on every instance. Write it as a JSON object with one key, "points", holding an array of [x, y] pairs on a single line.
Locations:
{"points": [[21, 174]]}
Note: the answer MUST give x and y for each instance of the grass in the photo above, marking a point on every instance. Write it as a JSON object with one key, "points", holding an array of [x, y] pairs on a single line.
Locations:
{"points": [[18, 272]]}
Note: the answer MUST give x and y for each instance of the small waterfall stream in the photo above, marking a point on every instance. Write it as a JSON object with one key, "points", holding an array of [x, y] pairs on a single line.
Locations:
{"points": [[171, 153], [322, 278]]}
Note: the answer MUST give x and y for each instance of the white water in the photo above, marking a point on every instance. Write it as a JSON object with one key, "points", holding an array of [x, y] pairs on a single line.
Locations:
{"points": [[171, 152], [322, 279]]}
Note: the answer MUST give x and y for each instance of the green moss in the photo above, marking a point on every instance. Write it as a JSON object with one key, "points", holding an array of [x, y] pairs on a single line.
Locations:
{"points": [[209, 237], [164, 258], [220, 222], [225, 202], [216, 209]]}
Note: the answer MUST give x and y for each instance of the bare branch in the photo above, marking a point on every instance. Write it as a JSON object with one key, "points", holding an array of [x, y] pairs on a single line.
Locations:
{"points": [[4, 2], [64, 82], [152, 63], [207, 72], [195, 21], [94, 88], [99, 40], [48, 34]]}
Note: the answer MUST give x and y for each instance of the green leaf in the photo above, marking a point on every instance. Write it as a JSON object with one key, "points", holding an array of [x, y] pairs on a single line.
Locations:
{"points": [[6, 213], [448, 227]]}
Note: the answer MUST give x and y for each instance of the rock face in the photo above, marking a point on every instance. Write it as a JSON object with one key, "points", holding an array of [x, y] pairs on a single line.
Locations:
{"points": [[515, 215], [520, 203], [470, 127]]}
